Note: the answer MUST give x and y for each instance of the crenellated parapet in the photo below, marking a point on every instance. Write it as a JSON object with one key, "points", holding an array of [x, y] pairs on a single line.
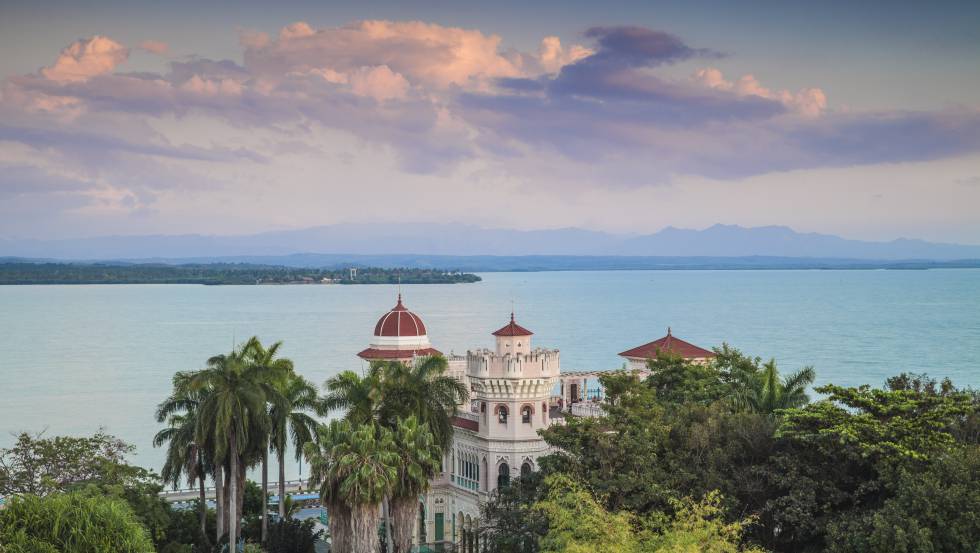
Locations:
{"points": [[537, 364]]}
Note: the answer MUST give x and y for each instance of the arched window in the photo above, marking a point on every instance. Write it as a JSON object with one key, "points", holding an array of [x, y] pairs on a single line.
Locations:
{"points": [[502, 414], [526, 412], [485, 485], [503, 475], [526, 468], [544, 413]]}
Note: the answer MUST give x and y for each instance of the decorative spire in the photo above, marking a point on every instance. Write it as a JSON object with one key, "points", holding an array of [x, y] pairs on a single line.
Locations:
{"points": [[668, 331]]}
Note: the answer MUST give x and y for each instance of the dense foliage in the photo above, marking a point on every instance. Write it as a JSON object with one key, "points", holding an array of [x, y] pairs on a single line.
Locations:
{"points": [[215, 273], [292, 536], [734, 450]]}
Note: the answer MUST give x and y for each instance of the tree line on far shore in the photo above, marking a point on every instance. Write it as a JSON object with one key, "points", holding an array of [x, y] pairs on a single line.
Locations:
{"points": [[216, 274]]}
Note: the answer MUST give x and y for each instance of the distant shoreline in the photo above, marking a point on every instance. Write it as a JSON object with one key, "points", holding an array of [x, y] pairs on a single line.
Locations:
{"points": [[336, 269], [26, 273]]}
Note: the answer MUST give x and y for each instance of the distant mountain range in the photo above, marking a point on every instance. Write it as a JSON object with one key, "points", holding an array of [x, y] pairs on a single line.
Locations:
{"points": [[347, 241]]}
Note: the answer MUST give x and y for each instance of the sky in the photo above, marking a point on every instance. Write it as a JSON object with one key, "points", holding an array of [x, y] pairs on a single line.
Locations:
{"points": [[173, 117]]}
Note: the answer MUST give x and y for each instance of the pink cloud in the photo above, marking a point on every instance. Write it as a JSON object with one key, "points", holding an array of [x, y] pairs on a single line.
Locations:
{"points": [[380, 83], [809, 102], [155, 47], [553, 56], [423, 53], [86, 58]]}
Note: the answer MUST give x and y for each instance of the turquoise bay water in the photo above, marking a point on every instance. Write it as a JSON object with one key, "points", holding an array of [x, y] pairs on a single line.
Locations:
{"points": [[74, 358]]}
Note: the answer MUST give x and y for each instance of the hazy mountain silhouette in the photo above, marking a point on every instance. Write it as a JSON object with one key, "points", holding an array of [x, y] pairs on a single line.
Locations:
{"points": [[465, 240]]}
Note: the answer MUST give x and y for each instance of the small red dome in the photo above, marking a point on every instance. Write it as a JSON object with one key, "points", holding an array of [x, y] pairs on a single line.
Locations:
{"points": [[399, 322]]}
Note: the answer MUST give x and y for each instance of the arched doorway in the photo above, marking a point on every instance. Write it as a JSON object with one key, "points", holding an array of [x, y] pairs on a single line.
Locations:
{"points": [[503, 475], [526, 469]]}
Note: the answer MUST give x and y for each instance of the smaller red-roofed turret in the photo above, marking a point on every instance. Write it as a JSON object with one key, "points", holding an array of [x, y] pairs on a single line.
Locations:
{"points": [[513, 338], [639, 355]]}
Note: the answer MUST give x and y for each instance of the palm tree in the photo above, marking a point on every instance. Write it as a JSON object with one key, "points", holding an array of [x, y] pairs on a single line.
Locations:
{"points": [[392, 392], [356, 467], [292, 507], [358, 397], [291, 422], [234, 411], [420, 458], [764, 392], [279, 371], [422, 389], [322, 474], [185, 454]]}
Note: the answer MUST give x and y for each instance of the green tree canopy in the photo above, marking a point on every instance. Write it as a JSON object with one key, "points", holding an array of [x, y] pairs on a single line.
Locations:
{"points": [[39, 466], [577, 523]]}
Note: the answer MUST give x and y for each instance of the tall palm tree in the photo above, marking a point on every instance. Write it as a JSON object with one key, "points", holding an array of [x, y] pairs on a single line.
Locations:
{"points": [[322, 474], [185, 454], [279, 371], [392, 392], [420, 456], [357, 467], [765, 392], [292, 425], [234, 410]]}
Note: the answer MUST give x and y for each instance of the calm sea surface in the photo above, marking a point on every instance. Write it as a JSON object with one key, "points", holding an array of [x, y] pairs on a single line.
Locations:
{"points": [[74, 358]]}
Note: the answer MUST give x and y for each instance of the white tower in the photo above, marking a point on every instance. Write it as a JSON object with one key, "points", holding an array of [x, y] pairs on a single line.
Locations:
{"points": [[495, 437], [511, 390]]}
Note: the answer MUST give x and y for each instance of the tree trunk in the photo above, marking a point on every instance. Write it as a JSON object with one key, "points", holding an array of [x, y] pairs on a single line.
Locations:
{"points": [[219, 494], [233, 493], [282, 483], [203, 507], [265, 493], [404, 515], [338, 516], [228, 501], [240, 507], [386, 516], [364, 528]]}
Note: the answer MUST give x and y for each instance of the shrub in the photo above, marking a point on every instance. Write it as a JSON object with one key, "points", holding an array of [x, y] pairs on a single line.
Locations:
{"points": [[71, 523], [292, 536]]}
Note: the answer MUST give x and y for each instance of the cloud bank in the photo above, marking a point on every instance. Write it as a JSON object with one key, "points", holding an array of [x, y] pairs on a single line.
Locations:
{"points": [[436, 98]]}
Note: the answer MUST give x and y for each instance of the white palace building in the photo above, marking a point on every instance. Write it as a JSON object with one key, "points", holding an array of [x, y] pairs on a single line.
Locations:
{"points": [[512, 397]]}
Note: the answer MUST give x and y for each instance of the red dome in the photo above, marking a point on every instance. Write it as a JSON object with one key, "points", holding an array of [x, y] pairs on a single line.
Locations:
{"points": [[399, 322]]}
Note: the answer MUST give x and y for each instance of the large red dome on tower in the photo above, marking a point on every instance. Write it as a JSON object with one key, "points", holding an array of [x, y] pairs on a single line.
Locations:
{"points": [[399, 322], [399, 335]]}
